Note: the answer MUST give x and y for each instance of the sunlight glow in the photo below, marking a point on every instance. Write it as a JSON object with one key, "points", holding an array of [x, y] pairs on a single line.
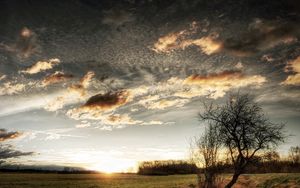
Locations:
{"points": [[115, 165]]}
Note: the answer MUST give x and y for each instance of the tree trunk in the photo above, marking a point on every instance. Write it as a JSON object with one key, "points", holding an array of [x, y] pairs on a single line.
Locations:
{"points": [[233, 180]]}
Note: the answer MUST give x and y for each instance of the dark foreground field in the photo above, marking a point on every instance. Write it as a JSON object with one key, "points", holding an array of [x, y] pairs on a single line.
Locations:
{"points": [[27, 180]]}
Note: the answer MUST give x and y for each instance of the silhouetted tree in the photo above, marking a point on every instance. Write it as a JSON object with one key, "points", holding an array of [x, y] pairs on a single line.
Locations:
{"points": [[294, 154], [205, 150], [271, 156], [244, 130]]}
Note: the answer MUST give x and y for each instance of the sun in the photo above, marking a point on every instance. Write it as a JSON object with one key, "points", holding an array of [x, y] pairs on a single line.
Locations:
{"points": [[115, 166]]}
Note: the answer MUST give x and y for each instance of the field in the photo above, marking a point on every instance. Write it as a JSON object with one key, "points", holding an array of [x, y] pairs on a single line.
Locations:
{"points": [[27, 180]]}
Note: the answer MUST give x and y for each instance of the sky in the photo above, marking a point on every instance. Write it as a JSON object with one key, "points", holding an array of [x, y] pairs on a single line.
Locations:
{"points": [[105, 84]]}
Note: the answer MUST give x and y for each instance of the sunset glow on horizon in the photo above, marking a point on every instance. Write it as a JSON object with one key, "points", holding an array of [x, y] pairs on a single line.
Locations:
{"points": [[104, 85]]}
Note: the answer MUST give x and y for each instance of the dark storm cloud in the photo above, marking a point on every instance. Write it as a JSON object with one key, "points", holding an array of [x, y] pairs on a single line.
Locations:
{"points": [[5, 135], [7, 151], [107, 101], [262, 35]]}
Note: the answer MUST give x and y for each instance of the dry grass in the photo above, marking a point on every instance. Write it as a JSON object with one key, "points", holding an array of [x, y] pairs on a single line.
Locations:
{"points": [[24, 180]]}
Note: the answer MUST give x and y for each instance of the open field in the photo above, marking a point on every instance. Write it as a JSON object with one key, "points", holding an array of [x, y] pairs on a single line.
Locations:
{"points": [[27, 180]]}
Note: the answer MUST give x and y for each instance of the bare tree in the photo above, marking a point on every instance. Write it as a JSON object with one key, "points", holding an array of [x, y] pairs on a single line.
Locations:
{"points": [[206, 151], [271, 156], [244, 130], [294, 154]]}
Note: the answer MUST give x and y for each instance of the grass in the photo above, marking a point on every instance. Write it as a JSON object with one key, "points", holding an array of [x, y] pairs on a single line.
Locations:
{"points": [[27, 180]]}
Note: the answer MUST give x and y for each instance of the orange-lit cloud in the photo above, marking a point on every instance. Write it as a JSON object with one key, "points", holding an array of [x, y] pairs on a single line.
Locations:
{"points": [[216, 85], [179, 40], [293, 66], [10, 88], [119, 119], [99, 104], [86, 79], [5, 135], [83, 84], [74, 93], [56, 78], [107, 101], [262, 35], [41, 66]]}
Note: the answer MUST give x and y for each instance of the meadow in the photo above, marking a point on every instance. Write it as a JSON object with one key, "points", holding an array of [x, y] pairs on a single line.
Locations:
{"points": [[37, 180]]}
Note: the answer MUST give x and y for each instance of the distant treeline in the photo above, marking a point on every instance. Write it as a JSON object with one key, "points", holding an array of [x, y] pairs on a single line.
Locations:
{"points": [[168, 167], [45, 171], [171, 167]]}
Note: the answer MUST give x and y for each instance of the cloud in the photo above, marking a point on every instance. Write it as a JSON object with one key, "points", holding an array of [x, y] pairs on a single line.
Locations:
{"points": [[215, 85], [52, 134], [2, 77], [5, 135], [98, 104], [86, 79], [108, 101], [154, 102], [119, 119], [83, 84], [293, 66], [74, 93], [178, 40], [117, 17], [10, 88], [55, 104], [41, 66], [56, 78], [83, 124], [262, 35], [7, 151], [25, 45]]}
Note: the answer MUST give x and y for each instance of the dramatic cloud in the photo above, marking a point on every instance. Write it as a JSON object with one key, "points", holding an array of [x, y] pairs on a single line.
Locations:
{"points": [[261, 35], [26, 44], [108, 101], [215, 85], [5, 135], [98, 104], [7, 152], [293, 66], [56, 78], [41, 66], [10, 88], [74, 93], [173, 41]]}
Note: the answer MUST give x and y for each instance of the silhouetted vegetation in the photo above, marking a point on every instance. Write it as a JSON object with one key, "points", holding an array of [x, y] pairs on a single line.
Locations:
{"points": [[244, 131], [167, 167]]}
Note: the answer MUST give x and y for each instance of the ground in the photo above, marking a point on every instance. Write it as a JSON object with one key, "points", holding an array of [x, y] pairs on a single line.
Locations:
{"points": [[27, 180]]}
